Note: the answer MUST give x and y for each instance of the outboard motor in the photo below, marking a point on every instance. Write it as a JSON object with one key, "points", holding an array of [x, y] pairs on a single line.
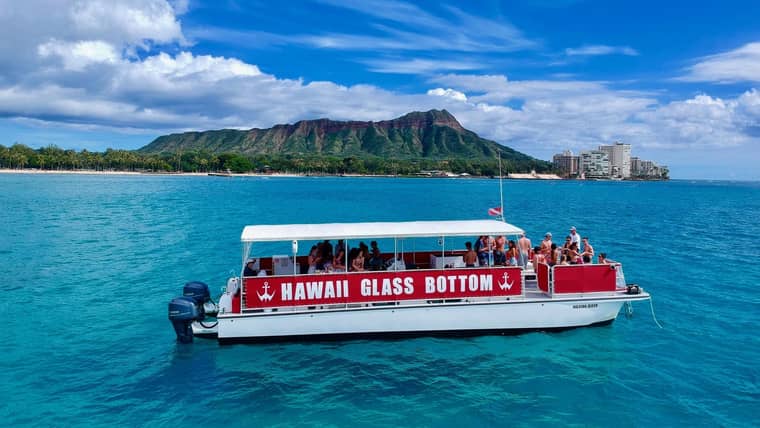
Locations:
{"points": [[182, 312], [198, 291]]}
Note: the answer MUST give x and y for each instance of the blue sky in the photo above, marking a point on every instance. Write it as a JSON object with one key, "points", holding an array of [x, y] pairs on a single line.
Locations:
{"points": [[676, 80]]}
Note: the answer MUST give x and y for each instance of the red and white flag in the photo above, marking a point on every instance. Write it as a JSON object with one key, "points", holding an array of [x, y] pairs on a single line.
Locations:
{"points": [[494, 211]]}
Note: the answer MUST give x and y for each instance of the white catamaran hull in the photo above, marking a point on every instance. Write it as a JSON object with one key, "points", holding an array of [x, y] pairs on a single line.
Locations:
{"points": [[425, 319]]}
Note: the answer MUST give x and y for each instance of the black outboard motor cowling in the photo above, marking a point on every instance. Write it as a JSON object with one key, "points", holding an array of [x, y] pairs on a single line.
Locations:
{"points": [[182, 312], [198, 291]]}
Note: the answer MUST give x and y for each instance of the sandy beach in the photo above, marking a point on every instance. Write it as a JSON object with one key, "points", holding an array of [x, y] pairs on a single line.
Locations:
{"points": [[166, 174]]}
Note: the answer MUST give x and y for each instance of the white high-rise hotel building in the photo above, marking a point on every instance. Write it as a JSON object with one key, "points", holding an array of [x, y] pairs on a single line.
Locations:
{"points": [[620, 159]]}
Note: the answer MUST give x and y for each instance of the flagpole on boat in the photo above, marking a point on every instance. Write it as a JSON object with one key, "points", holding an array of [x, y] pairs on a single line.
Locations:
{"points": [[501, 189]]}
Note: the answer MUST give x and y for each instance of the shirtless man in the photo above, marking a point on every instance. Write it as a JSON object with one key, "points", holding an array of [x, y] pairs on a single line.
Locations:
{"points": [[546, 245], [588, 251], [498, 250], [523, 246], [470, 257]]}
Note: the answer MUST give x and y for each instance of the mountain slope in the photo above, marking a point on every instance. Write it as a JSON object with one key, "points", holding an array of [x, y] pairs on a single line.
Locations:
{"points": [[434, 134]]}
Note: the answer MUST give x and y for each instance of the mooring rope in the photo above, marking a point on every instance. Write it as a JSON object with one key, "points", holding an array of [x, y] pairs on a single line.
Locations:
{"points": [[651, 306]]}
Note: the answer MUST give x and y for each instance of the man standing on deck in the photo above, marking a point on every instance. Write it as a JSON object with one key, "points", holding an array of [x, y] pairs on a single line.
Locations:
{"points": [[523, 246], [546, 245], [575, 237]]}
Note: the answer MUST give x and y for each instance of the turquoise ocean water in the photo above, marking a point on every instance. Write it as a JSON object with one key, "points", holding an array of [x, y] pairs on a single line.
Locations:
{"points": [[88, 264]]}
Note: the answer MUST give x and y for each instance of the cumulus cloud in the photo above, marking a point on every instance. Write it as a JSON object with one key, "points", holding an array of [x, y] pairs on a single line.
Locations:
{"points": [[448, 93], [78, 55], [82, 29], [738, 65], [131, 22]]}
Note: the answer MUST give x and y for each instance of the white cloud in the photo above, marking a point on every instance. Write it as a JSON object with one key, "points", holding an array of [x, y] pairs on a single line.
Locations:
{"points": [[596, 50], [448, 93], [78, 55], [738, 65], [419, 65], [130, 22], [75, 30]]}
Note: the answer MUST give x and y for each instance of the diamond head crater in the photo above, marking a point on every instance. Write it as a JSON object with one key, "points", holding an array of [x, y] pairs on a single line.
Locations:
{"points": [[415, 143]]}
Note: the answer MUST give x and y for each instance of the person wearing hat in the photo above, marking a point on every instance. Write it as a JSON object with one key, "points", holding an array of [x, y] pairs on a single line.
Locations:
{"points": [[575, 237], [546, 245], [250, 268]]}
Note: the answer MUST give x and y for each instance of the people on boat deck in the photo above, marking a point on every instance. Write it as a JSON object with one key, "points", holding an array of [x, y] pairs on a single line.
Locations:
{"points": [[512, 253], [568, 241], [572, 254], [250, 268], [312, 259], [557, 254], [470, 256], [523, 248], [574, 236], [376, 259], [538, 256], [325, 251], [338, 263], [357, 264], [483, 248], [603, 260], [499, 255], [546, 245], [588, 251], [365, 252], [341, 245]]}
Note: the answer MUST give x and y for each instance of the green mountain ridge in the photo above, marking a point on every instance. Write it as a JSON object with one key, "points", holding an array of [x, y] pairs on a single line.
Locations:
{"points": [[431, 135]]}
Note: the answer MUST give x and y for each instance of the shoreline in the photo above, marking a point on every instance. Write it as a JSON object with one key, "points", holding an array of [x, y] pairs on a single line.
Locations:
{"points": [[542, 177]]}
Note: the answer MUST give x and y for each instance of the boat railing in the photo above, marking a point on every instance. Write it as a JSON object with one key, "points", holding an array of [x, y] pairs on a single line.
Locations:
{"points": [[575, 279]]}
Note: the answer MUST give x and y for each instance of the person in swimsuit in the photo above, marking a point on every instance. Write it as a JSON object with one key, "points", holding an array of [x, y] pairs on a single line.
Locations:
{"points": [[538, 257], [523, 247], [312, 259], [470, 256], [357, 264], [499, 257], [337, 263], [555, 255], [483, 247], [572, 255], [546, 245], [588, 251], [512, 253]]}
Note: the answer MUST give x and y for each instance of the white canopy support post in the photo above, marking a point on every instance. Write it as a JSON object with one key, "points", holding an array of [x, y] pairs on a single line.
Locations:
{"points": [[443, 252], [395, 252], [294, 247]]}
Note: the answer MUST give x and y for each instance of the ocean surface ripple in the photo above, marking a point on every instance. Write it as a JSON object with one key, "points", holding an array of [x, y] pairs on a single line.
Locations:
{"points": [[89, 264]]}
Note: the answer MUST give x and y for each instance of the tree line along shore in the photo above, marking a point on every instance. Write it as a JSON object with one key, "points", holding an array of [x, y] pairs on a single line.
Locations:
{"points": [[53, 158]]}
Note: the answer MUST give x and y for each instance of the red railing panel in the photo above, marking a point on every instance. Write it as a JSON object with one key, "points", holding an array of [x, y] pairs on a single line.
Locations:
{"points": [[584, 278], [363, 287], [542, 277]]}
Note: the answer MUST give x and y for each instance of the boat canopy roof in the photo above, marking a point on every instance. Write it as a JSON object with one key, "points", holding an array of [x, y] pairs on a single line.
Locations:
{"points": [[402, 229]]}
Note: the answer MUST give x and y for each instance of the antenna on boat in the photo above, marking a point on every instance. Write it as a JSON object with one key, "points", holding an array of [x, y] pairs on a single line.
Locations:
{"points": [[501, 189]]}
